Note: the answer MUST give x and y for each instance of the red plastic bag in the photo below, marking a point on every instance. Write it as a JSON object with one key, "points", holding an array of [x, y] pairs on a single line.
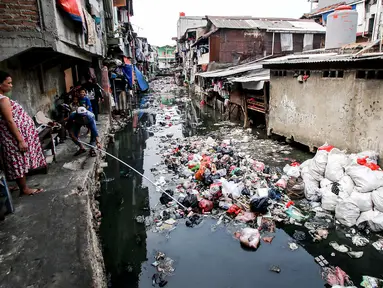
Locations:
{"points": [[362, 161], [205, 161], [234, 210], [326, 148], [73, 8], [371, 165], [295, 164], [205, 205]]}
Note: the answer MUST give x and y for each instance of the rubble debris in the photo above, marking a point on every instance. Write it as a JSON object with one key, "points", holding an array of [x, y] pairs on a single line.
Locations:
{"points": [[275, 269], [248, 237], [378, 245], [336, 276], [299, 235], [268, 239], [371, 282], [360, 241], [346, 249], [293, 246], [340, 248], [321, 261]]}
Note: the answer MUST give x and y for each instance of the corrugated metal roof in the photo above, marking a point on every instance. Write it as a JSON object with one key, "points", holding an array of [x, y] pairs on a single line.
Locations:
{"points": [[267, 24], [187, 22], [320, 58], [263, 75], [231, 71], [331, 6]]}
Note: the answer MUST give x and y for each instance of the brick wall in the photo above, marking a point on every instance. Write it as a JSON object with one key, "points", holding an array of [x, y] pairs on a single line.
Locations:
{"points": [[18, 15]]}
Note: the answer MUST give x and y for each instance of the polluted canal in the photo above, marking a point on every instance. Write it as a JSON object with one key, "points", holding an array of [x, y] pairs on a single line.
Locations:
{"points": [[240, 228]]}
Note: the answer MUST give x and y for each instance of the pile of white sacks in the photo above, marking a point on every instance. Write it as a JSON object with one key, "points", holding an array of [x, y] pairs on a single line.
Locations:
{"points": [[358, 196]]}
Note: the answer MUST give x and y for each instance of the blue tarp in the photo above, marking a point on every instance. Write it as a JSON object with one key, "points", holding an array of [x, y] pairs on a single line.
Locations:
{"points": [[141, 80], [128, 73]]}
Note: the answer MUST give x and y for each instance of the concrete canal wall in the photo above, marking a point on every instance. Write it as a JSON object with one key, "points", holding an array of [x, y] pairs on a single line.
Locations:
{"points": [[346, 112]]}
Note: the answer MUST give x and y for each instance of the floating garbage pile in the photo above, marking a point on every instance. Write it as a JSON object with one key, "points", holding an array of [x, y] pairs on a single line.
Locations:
{"points": [[165, 85], [221, 178]]}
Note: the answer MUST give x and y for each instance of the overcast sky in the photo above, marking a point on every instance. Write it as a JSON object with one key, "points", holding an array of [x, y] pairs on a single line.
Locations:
{"points": [[157, 19]]}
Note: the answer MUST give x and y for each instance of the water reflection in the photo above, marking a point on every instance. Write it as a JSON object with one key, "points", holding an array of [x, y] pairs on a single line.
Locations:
{"points": [[124, 239]]}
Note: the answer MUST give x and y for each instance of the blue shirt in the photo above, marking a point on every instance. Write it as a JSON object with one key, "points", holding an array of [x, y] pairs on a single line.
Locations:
{"points": [[91, 122], [86, 103]]}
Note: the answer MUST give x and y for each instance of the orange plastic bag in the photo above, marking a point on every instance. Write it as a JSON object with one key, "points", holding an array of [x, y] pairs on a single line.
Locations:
{"points": [[199, 174]]}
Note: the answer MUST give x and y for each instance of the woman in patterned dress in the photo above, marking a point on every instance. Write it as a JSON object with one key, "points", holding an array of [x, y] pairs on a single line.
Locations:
{"points": [[19, 139]]}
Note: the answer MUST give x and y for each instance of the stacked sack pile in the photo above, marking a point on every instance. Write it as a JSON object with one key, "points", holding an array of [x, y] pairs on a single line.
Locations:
{"points": [[349, 185]]}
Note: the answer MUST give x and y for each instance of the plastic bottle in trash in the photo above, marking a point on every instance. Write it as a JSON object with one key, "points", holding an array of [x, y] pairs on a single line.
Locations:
{"points": [[294, 213]]}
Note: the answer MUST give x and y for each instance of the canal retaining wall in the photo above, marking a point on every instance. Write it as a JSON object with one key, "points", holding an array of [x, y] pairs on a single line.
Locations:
{"points": [[345, 112]]}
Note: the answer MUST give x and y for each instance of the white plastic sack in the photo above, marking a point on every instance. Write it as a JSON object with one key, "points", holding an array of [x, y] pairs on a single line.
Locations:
{"points": [[292, 171], [365, 179], [329, 199], [373, 218], [335, 165], [305, 164], [211, 142], [312, 191], [346, 184], [318, 164], [376, 223], [377, 199], [363, 200], [325, 182], [263, 192], [347, 212], [230, 188]]}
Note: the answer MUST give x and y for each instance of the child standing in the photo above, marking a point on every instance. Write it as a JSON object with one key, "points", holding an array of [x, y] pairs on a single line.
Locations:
{"points": [[84, 100]]}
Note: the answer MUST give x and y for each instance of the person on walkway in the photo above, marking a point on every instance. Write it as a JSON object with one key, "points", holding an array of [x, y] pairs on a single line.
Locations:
{"points": [[75, 104], [94, 94], [78, 119], [19, 139], [84, 100]]}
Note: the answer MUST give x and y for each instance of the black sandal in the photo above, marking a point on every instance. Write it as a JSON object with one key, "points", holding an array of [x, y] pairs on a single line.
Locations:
{"points": [[92, 153], [79, 152]]}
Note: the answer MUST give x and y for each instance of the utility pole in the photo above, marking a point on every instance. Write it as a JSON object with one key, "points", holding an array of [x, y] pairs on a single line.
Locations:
{"points": [[375, 31]]}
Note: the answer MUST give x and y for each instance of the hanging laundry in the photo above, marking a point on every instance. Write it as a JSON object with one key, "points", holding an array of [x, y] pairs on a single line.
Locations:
{"points": [[91, 29]]}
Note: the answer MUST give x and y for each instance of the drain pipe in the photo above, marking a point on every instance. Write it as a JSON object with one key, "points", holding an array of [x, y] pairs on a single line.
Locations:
{"points": [[272, 45], [375, 32], [114, 157]]}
